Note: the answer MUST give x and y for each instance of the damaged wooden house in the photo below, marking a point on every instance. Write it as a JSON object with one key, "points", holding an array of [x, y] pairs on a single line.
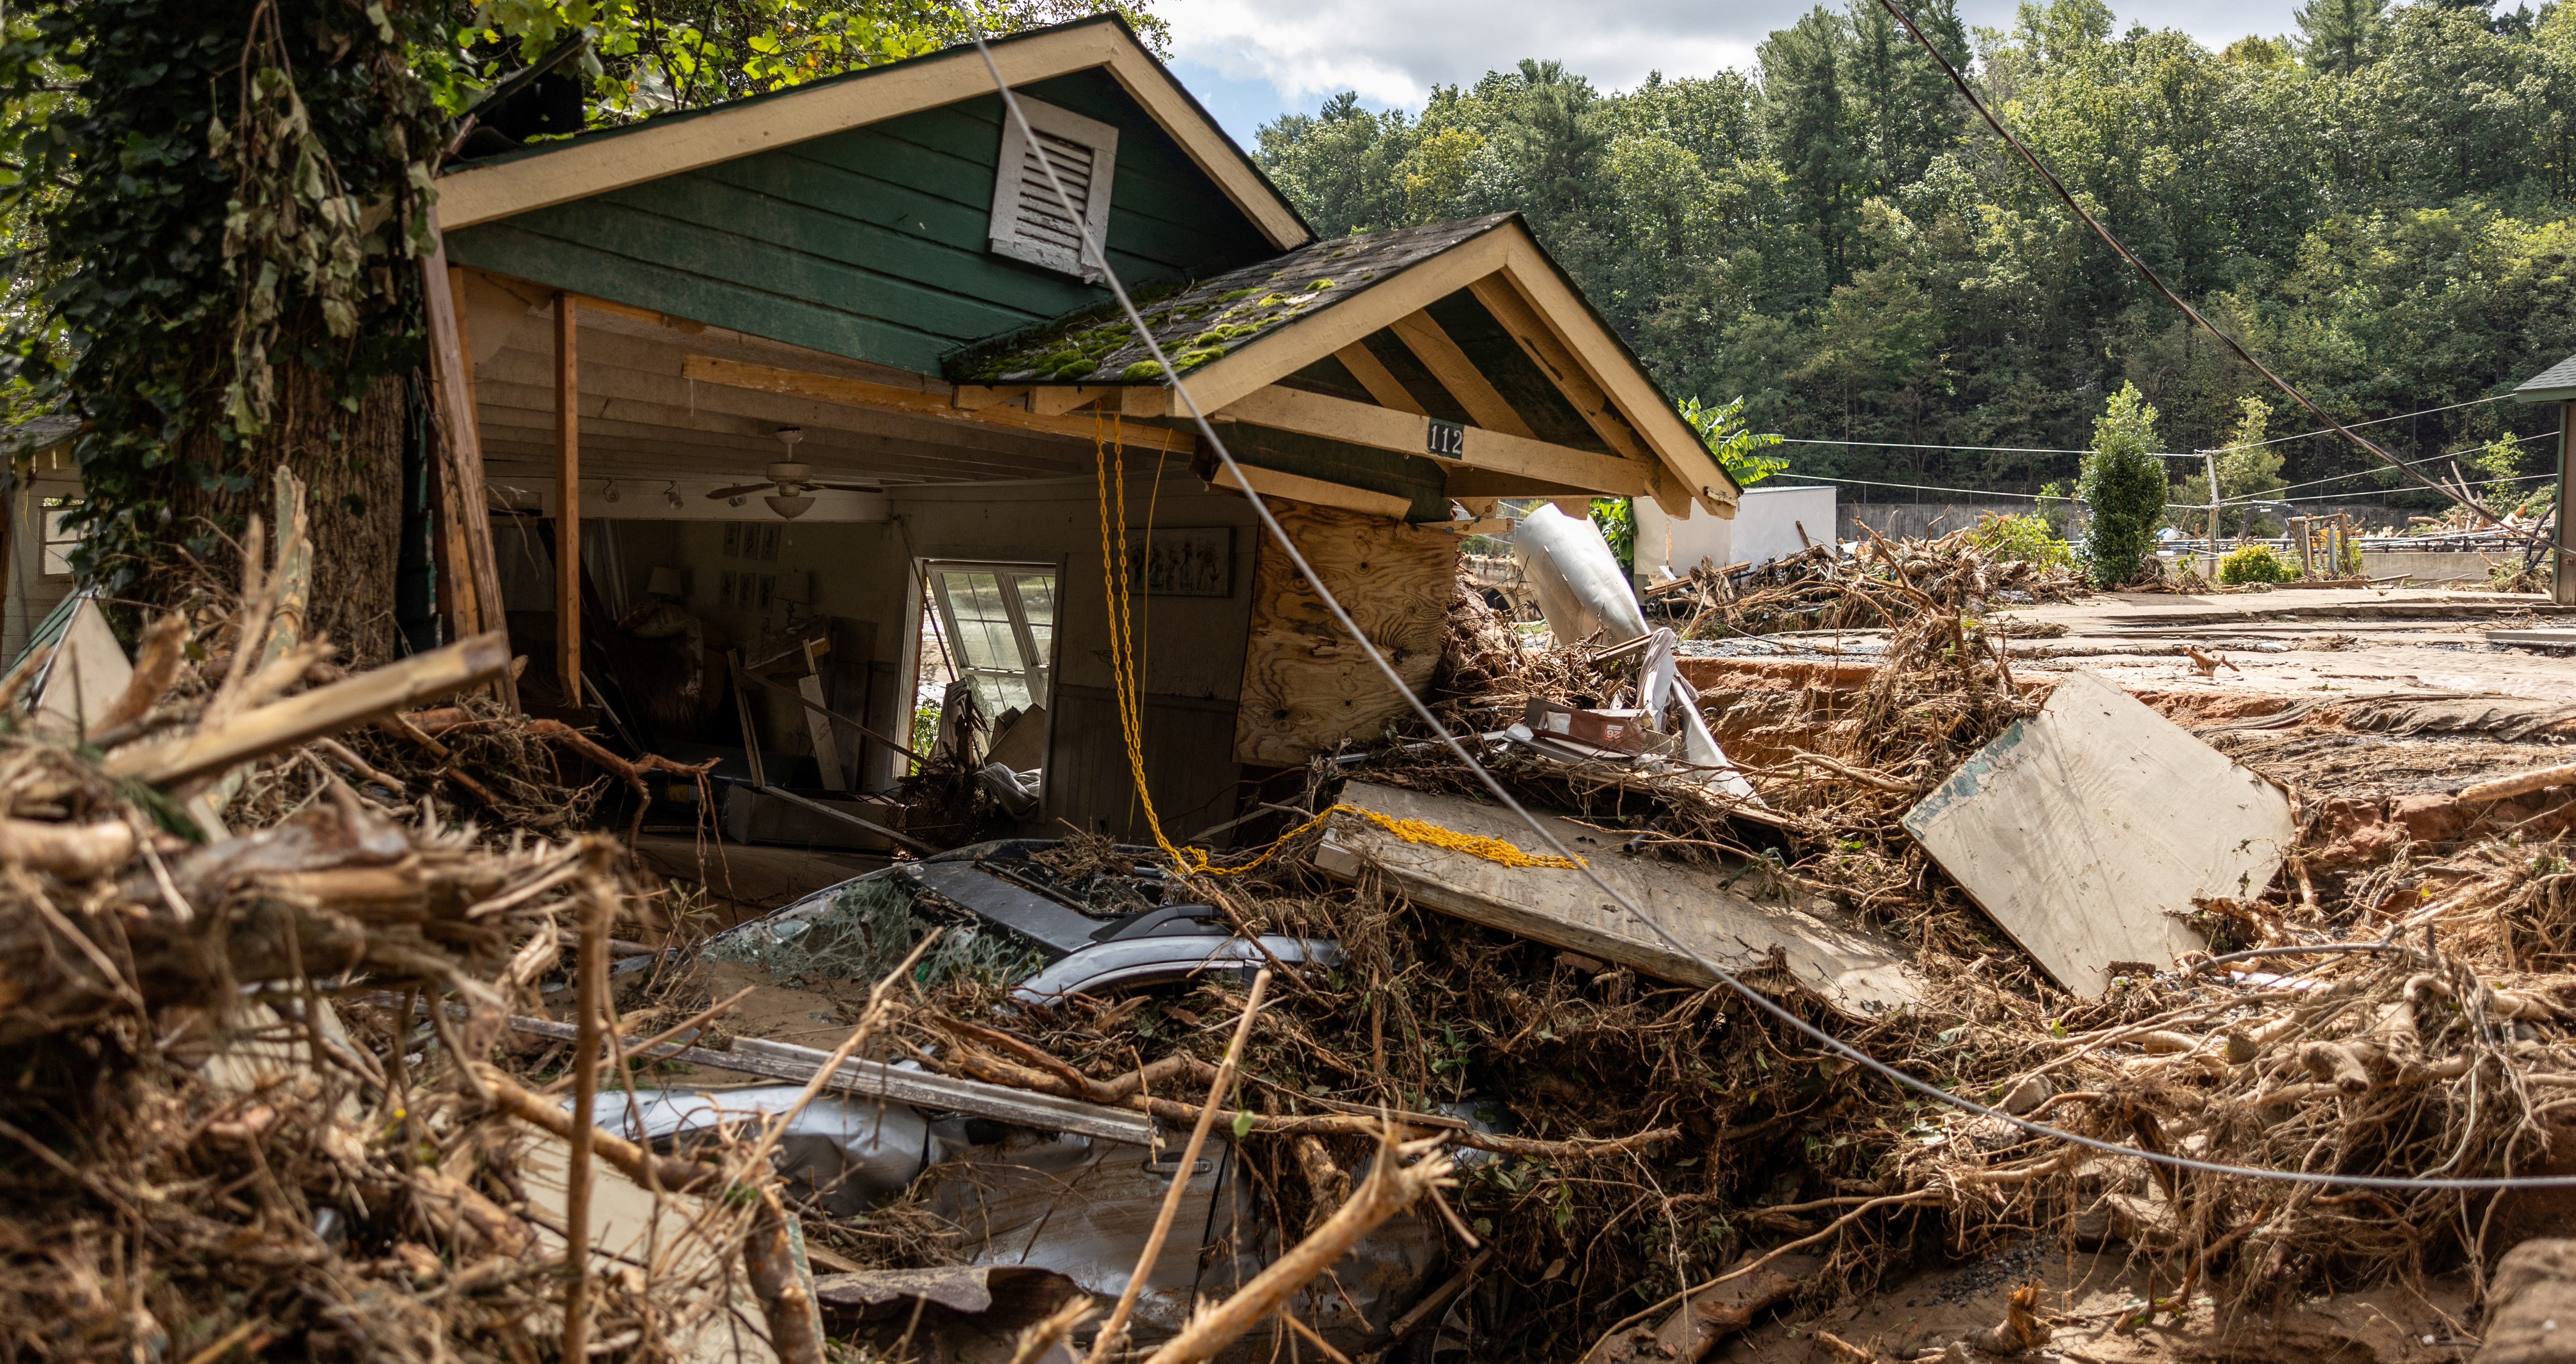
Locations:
{"points": [[780, 405]]}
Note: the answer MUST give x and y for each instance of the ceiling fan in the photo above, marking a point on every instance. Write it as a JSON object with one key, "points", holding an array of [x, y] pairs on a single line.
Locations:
{"points": [[792, 478]]}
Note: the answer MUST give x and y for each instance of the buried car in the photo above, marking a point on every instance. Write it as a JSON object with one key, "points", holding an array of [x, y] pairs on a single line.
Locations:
{"points": [[1049, 923], [1076, 1204]]}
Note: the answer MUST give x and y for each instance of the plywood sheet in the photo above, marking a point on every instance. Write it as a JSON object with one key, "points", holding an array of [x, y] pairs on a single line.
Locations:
{"points": [[1729, 917], [2085, 830], [1306, 685]]}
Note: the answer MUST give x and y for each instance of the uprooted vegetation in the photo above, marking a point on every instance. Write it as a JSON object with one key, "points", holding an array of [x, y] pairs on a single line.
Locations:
{"points": [[200, 1157]]}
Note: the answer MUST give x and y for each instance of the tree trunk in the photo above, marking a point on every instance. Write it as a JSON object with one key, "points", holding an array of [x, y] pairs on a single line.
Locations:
{"points": [[351, 464]]}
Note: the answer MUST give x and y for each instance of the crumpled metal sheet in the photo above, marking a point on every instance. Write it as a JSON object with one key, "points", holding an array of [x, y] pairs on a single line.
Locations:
{"points": [[845, 1155], [1084, 1209]]}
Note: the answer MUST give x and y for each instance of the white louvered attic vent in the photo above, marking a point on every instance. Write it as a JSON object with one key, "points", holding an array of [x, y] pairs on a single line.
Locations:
{"points": [[1028, 219]]}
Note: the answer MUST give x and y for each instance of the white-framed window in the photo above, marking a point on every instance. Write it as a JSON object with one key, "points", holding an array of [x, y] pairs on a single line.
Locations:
{"points": [[59, 543], [1029, 222], [1000, 623]]}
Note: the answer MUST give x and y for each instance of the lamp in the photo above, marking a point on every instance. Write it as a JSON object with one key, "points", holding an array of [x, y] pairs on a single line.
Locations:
{"points": [[611, 494], [789, 508], [664, 582], [672, 495]]}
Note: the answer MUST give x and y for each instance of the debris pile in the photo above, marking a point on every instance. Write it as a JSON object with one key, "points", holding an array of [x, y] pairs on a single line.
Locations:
{"points": [[1398, 1079], [250, 1113]]}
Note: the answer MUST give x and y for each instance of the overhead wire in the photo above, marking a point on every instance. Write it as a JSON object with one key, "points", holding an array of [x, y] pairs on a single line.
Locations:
{"points": [[1094, 252], [2148, 273]]}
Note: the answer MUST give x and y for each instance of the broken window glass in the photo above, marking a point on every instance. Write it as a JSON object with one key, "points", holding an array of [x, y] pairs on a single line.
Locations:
{"points": [[1000, 620]]}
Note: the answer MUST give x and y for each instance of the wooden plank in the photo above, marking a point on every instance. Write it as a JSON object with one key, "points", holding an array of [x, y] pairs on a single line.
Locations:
{"points": [[462, 459], [861, 393], [301, 718], [2084, 830], [1314, 491], [1856, 971], [1306, 685], [598, 165], [1380, 381], [568, 502], [1429, 341], [1547, 350], [1320, 414]]}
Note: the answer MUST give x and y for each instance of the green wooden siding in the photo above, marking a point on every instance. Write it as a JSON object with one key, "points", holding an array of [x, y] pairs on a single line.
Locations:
{"points": [[870, 243]]}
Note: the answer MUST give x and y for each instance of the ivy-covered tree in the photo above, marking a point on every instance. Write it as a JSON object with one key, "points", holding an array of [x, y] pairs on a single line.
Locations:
{"points": [[215, 212]]}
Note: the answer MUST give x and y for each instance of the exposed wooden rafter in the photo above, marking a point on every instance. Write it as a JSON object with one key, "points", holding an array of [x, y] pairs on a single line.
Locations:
{"points": [[1430, 344], [1381, 428], [860, 393]]}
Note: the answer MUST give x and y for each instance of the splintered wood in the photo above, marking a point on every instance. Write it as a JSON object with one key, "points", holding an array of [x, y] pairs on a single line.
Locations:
{"points": [[2085, 831], [1306, 684], [1858, 972]]}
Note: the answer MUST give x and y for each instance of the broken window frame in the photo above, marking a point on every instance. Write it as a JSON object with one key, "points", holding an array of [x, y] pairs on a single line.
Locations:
{"points": [[1036, 675]]}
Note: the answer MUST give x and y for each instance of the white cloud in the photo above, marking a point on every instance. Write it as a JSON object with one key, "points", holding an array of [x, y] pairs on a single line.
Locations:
{"points": [[1392, 51]]}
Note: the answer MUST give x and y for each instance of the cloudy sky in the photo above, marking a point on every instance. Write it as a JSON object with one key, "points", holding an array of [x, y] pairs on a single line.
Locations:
{"points": [[1251, 60]]}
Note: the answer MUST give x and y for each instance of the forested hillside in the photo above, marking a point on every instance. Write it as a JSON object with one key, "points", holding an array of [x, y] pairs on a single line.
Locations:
{"points": [[2382, 205]]}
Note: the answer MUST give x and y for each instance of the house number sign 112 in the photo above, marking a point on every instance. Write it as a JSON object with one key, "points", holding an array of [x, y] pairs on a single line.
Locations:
{"points": [[1448, 439]]}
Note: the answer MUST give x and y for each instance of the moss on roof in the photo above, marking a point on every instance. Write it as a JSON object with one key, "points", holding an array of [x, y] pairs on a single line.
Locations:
{"points": [[1204, 322]]}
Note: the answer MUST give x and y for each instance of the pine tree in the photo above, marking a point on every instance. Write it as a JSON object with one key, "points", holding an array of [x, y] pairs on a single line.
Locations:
{"points": [[2122, 487], [2339, 36], [1811, 132], [1904, 106]]}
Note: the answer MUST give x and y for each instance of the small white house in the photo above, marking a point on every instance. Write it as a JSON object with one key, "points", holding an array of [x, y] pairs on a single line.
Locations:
{"points": [[1770, 521]]}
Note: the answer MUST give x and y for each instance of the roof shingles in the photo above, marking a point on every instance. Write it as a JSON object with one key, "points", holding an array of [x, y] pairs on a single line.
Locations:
{"points": [[2560, 376], [1205, 321]]}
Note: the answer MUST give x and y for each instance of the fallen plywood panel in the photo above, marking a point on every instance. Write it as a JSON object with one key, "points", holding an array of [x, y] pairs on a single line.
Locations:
{"points": [[2085, 830], [1854, 970], [2548, 639]]}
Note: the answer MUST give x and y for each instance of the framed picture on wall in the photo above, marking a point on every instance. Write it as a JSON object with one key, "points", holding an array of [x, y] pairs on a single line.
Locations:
{"points": [[1191, 562], [733, 540], [769, 542]]}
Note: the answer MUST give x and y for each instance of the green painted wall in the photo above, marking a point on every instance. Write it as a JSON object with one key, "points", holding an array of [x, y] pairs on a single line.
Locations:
{"points": [[870, 243]]}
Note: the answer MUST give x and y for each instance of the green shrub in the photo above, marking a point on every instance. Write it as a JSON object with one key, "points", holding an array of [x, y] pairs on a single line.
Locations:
{"points": [[2123, 489], [2026, 539], [2254, 564]]}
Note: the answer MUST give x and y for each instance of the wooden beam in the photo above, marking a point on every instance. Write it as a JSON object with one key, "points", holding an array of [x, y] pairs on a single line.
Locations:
{"points": [[568, 503], [2563, 572], [461, 463], [860, 393], [1318, 414], [1509, 248], [1430, 343], [345, 704], [1616, 373], [1380, 381], [594, 166], [455, 564], [1547, 350], [1299, 488]]}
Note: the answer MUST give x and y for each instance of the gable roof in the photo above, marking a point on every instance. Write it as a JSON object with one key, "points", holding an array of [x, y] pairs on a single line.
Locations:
{"points": [[2552, 385], [1249, 344], [612, 159], [1202, 323]]}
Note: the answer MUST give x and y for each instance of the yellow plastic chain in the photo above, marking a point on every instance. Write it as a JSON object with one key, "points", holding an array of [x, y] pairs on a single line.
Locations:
{"points": [[1127, 684]]}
